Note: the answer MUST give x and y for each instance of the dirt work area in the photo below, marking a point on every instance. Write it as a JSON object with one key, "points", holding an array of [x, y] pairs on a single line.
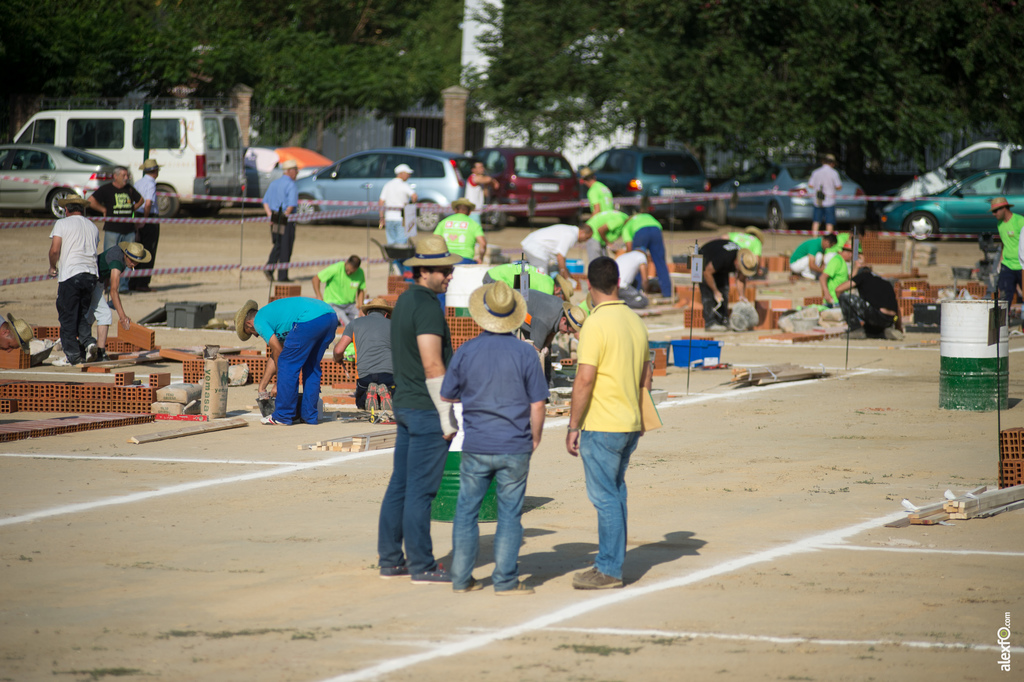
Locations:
{"points": [[757, 540]]}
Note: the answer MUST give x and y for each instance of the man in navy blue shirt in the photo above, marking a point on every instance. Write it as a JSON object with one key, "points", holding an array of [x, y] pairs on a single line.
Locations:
{"points": [[281, 201], [500, 383]]}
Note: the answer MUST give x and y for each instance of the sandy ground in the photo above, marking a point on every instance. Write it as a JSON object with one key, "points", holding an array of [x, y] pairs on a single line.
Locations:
{"points": [[757, 548]]}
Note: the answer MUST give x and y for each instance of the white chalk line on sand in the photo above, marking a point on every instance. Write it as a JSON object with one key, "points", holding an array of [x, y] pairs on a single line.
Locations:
{"points": [[612, 598], [925, 550], [133, 458], [673, 634], [183, 488], [302, 466]]}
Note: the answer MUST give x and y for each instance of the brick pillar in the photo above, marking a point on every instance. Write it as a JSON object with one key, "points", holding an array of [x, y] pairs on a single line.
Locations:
{"points": [[241, 102], [20, 110], [454, 139]]}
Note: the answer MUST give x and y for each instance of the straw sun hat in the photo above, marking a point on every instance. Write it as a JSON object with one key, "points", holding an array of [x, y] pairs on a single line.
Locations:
{"points": [[497, 308]]}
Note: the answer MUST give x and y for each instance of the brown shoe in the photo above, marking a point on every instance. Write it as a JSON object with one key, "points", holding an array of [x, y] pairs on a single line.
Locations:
{"points": [[594, 579], [520, 589]]}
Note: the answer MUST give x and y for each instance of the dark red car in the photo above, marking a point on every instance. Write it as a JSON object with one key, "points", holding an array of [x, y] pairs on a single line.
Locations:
{"points": [[525, 174]]}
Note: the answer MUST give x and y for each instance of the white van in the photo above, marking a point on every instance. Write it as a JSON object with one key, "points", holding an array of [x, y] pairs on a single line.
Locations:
{"points": [[973, 159], [200, 152]]}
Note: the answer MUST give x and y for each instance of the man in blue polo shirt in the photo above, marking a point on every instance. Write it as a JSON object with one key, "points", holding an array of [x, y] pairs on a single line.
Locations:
{"points": [[297, 331], [280, 202], [501, 386]]}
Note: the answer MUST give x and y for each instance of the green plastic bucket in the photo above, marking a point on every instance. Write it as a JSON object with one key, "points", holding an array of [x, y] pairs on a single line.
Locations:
{"points": [[971, 376], [443, 506]]}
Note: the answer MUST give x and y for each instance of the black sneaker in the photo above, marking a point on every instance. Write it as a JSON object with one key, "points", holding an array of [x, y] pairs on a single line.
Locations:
{"points": [[101, 355], [438, 576], [388, 572], [269, 274]]}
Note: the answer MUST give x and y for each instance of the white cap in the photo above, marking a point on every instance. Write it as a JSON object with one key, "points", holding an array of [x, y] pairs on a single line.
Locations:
{"points": [[403, 168]]}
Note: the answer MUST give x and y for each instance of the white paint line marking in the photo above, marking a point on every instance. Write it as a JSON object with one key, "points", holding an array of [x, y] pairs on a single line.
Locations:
{"points": [[182, 488], [810, 544], [924, 550], [619, 632], [133, 458]]}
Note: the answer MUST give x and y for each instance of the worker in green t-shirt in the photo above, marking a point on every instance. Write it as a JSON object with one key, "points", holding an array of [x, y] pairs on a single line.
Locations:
{"points": [[751, 239], [598, 195], [344, 284], [806, 260], [835, 272], [463, 235], [607, 227], [643, 231], [510, 273], [1010, 226]]}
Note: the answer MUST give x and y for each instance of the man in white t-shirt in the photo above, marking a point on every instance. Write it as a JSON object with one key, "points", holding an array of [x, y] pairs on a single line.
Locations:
{"points": [[824, 184], [632, 273], [73, 243], [478, 186], [394, 196], [553, 243]]}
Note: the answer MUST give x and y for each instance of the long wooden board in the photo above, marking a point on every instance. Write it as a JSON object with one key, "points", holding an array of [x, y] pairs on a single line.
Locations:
{"points": [[193, 430]]}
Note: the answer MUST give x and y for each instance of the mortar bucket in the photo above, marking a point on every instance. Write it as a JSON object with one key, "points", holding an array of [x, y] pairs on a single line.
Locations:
{"points": [[969, 371], [443, 506]]}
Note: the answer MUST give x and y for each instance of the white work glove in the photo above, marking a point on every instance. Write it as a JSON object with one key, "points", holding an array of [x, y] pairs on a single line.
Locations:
{"points": [[444, 409]]}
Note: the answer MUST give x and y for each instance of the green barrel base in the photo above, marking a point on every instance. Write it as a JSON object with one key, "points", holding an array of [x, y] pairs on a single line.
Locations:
{"points": [[443, 506], [972, 383]]}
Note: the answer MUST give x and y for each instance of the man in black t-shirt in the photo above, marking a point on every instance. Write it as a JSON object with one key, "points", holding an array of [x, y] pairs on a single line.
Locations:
{"points": [[722, 258], [117, 199], [873, 312]]}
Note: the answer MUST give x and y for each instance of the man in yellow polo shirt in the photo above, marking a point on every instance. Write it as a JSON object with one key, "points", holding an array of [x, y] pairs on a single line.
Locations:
{"points": [[605, 422]]}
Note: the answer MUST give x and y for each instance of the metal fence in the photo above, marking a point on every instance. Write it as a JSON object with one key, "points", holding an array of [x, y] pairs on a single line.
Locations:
{"points": [[340, 131]]}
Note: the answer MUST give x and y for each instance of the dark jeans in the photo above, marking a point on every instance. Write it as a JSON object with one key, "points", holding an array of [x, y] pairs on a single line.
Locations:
{"points": [[1008, 281], [74, 296], [707, 299], [420, 454], [651, 240], [149, 236], [283, 237], [378, 378], [857, 312]]}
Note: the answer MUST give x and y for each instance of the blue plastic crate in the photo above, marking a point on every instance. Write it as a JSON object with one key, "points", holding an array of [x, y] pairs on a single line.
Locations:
{"points": [[700, 353]]}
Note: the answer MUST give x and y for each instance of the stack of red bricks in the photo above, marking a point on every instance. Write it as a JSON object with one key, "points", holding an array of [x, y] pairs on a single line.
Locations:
{"points": [[1011, 457], [911, 291], [56, 396], [879, 250], [285, 291], [53, 427], [463, 329], [397, 284]]}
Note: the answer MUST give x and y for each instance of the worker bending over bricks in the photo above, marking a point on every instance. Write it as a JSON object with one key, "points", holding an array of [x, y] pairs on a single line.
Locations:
{"points": [[111, 263], [371, 335], [297, 331], [14, 333]]}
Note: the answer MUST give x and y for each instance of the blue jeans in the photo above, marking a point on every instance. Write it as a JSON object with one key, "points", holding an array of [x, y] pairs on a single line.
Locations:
{"points": [[420, 454], [396, 232], [826, 214], [605, 458], [304, 347], [476, 473], [651, 239], [1007, 284]]}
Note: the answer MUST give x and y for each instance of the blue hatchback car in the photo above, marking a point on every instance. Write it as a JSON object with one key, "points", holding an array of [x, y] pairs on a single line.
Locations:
{"points": [[784, 197], [964, 207], [654, 172]]}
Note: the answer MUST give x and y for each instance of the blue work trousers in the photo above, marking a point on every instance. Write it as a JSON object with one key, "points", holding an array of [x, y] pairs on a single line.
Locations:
{"points": [[304, 347], [651, 240]]}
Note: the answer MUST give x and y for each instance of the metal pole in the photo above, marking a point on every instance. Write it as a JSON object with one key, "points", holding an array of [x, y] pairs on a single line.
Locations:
{"points": [[241, 238], [693, 290]]}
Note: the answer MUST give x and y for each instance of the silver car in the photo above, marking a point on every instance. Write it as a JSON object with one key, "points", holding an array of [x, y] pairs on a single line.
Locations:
{"points": [[47, 174], [438, 177]]}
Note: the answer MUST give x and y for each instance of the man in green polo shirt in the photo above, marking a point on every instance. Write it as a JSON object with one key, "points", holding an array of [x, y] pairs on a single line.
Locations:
{"points": [[344, 284], [644, 232], [598, 195], [421, 347], [607, 227], [463, 235], [835, 272], [1010, 226]]}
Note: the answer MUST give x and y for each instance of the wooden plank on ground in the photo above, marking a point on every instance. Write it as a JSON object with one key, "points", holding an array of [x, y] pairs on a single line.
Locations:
{"points": [[192, 430]]}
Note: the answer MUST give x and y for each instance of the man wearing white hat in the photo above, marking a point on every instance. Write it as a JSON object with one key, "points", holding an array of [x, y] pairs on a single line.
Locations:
{"points": [[280, 202], [394, 196], [148, 232], [502, 389]]}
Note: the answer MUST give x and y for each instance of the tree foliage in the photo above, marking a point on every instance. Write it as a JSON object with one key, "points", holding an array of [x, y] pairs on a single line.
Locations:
{"points": [[382, 54], [872, 78]]}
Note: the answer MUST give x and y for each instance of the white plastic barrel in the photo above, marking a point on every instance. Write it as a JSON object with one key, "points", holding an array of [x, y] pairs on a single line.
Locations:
{"points": [[971, 376], [465, 280]]}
